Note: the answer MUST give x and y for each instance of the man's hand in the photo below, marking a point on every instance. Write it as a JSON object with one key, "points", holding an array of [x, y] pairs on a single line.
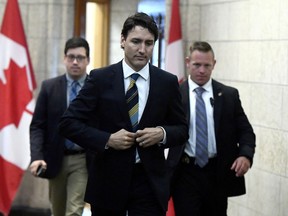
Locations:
{"points": [[241, 166], [121, 140], [149, 136], [35, 165]]}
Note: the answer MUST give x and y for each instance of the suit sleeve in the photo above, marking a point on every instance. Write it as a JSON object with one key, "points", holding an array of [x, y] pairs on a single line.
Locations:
{"points": [[38, 125], [80, 121], [176, 127], [246, 136]]}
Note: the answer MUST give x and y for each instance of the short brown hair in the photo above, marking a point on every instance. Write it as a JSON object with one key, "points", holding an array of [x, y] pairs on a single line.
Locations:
{"points": [[76, 42], [201, 46]]}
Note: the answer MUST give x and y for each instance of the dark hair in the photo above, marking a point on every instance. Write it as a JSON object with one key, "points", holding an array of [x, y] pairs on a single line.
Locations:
{"points": [[140, 19], [201, 46], [76, 42]]}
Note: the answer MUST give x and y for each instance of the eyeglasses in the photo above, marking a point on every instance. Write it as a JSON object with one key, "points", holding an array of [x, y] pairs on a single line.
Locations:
{"points": [[78, 58]]}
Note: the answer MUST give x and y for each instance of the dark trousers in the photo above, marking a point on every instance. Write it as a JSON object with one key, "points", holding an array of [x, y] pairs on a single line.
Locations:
{"points": [[195, 190], [142, 200]]}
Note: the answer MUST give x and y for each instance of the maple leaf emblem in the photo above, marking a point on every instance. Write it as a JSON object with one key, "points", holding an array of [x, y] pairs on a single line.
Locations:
{"points": [[14, 95]]}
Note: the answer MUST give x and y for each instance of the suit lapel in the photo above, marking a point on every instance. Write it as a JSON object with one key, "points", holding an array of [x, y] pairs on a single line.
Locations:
{"points": [[184, 88], [218, 103], [117, 84], [152, 96], [63, 92]]}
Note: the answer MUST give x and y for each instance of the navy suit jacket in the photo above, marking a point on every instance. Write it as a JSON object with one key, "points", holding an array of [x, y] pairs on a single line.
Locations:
{"points": [[45, 141], [100, 109], [234, 135]]}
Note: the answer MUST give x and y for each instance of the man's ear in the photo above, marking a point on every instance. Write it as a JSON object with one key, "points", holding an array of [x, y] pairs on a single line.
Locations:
{"points": [[187, 61], [214, 63], [122, 41]]}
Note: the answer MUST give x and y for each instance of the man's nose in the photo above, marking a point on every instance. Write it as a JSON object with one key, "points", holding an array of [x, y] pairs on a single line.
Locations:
{"points": [[202, 69], [142, 47]]}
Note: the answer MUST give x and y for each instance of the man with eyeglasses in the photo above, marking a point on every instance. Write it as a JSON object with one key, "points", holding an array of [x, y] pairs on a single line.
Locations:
{"points": [[53, 157]]}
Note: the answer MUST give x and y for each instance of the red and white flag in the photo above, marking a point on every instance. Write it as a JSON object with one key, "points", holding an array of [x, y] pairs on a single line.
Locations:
{"points": [[17, 83], [174, 60]]}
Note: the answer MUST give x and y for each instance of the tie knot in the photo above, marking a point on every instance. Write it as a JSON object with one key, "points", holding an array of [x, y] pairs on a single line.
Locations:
{"points": [[135, 76], [199, 91], [74, 84]]}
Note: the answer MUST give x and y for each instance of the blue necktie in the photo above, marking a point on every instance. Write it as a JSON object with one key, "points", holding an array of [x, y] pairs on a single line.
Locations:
{"points": [[72, 95], [132, 101], [201, 129], [73, 90]]}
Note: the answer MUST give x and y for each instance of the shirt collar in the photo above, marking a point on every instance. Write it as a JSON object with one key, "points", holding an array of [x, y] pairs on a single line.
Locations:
{"points": [[80, 81], [127, 71], [207, 86]]}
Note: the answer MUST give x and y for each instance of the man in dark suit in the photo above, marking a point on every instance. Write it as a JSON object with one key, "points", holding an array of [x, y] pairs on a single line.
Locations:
{"points": [[129, 172], [208, 174], [63, 162]]}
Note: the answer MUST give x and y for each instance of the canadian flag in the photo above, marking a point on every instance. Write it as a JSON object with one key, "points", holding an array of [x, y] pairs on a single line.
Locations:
{"points": [[174, 60], [17, 83]]}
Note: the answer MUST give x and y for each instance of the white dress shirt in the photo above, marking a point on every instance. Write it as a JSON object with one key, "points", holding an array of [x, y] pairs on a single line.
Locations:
{"points": [[143, 84], [81, 82], [207, 96]]}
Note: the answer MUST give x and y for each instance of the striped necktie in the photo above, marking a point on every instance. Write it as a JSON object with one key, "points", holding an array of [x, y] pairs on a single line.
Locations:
{"points": [[201, 129], [72, 95], [73, 90], [132, 101]]}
